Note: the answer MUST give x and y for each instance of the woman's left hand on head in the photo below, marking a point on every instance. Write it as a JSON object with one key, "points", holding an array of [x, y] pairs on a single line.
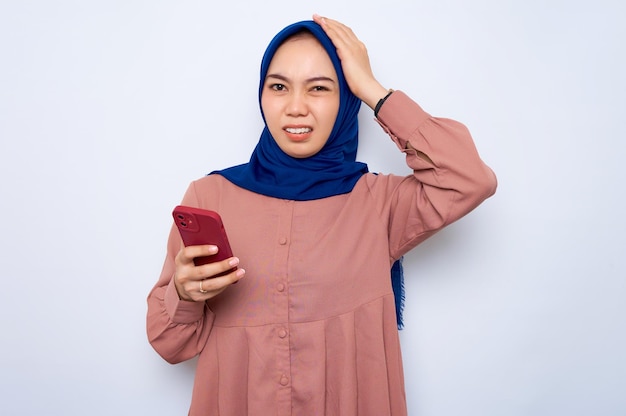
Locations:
{"points": [[355, 61]]}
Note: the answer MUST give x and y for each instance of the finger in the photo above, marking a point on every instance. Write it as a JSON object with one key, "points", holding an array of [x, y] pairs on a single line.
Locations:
{"points": [[212, 270], [201, 288], [350, 49], [336, 30], [218, 284], [319, 19], [187, 254]]}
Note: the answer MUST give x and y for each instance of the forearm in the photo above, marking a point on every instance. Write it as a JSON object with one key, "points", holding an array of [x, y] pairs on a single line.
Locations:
{"points": [[176, 328]]}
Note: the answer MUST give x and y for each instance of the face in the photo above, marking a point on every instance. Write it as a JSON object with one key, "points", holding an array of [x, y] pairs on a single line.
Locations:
{"points": [[300, 96]]}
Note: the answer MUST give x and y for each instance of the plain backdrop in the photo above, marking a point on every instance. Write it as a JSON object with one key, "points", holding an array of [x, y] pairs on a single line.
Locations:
{"points": [[109, 108]]}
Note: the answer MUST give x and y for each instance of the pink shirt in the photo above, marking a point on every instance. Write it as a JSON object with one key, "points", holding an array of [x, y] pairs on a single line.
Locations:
{"points": [[311, 328]]}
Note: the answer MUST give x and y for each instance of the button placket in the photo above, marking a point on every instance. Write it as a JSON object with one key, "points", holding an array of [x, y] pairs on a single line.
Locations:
{"points": [[280, 282]]}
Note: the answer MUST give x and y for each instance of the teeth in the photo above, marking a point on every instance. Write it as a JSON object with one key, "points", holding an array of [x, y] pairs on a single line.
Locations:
{"points": [[299, 130]]}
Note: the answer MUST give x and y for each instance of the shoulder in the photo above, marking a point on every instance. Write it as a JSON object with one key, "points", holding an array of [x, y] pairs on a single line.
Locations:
{"points": [[216, 189], [204, 192], [210, 182], [377, 183]]}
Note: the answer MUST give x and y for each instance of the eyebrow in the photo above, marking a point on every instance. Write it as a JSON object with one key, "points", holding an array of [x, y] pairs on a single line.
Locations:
{"points": [[308, 80]]}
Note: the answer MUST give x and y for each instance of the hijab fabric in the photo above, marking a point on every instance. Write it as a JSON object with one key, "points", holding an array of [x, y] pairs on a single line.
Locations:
{"points": [[332, 171]]}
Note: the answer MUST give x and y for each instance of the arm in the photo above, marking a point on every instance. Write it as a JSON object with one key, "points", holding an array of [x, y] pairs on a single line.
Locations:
{"points": [[177, 329], [449, 179], [179, 320]]}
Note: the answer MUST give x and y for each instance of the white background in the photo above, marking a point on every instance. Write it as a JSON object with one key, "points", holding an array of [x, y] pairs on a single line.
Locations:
{"points": [[108, 109]]}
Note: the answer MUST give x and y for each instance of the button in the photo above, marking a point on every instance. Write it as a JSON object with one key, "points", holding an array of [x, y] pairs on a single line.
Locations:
{"points": [[280, 287], [282, 333], [284, 380], [282, 241]]}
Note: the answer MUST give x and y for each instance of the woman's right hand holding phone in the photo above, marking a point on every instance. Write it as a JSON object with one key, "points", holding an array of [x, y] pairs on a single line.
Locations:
{"points": [[199, 283]]}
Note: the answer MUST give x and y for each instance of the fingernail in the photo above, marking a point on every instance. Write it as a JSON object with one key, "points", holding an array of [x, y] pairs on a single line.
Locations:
{"points": [[234, 261], [240, 272], [212, 249]]}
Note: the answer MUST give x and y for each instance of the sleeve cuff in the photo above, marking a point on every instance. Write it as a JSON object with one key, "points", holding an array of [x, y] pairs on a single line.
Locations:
{"points": [[393, 117]]}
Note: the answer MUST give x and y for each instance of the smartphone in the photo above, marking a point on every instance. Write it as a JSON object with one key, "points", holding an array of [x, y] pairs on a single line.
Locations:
{"points": [[199, 227]]}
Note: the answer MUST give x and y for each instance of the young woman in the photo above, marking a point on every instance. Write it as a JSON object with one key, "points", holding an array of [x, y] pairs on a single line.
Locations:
{"points": [[310, 328]]}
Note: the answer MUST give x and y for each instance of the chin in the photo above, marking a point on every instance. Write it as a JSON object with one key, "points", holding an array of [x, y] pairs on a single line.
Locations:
{"points": [[300, 155], [298, 152]]}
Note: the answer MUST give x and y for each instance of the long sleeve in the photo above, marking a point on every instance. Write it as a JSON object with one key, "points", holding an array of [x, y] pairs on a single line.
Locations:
{"points": [[177, 329], [449, 179]]}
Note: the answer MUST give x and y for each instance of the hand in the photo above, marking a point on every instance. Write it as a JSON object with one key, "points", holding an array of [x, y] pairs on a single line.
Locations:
{"points": [[191, 279], [354, 61]]}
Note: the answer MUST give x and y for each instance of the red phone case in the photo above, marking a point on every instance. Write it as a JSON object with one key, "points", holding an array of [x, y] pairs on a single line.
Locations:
{"points": [[201, 226]]}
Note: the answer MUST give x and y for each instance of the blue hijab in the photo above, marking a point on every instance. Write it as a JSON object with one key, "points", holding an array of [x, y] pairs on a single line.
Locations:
{"points": [[332, 171]]}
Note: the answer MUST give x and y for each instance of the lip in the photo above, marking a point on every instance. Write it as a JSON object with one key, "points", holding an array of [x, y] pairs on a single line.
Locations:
{"points": [[298, 137]]}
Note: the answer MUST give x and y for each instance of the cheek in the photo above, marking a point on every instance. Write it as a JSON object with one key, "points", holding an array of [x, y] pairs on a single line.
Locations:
{"points": [[330, 117], [264, 106], [269, 111]]}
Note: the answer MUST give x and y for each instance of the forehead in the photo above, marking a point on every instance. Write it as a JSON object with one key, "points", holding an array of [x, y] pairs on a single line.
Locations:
{"points": [[301, 49]]}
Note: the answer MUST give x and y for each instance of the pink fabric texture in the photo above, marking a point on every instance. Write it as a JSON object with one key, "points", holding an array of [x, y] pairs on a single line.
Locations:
{"points": [[311, 328]]}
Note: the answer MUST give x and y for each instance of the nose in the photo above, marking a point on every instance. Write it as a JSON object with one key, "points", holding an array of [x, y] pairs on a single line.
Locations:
{"points": [[297, 105]]}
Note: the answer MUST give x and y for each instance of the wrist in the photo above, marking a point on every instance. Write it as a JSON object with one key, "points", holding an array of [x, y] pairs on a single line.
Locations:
{"points": [[374, 94], [380, 102]]}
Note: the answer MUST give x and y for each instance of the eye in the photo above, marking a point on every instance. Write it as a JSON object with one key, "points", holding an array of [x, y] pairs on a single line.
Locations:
{"points": [[320, 88], [277, 87]]}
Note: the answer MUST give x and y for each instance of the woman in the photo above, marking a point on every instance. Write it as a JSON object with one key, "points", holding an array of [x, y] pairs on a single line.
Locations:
{"points": [[310, 326]]}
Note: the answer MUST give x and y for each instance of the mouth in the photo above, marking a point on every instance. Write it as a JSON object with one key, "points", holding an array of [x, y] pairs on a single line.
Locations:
{"points": [[298, 130], [298, 134]]}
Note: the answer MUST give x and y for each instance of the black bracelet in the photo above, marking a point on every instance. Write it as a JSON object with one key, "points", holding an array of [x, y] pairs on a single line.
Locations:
{"points": [[381, 102]]}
